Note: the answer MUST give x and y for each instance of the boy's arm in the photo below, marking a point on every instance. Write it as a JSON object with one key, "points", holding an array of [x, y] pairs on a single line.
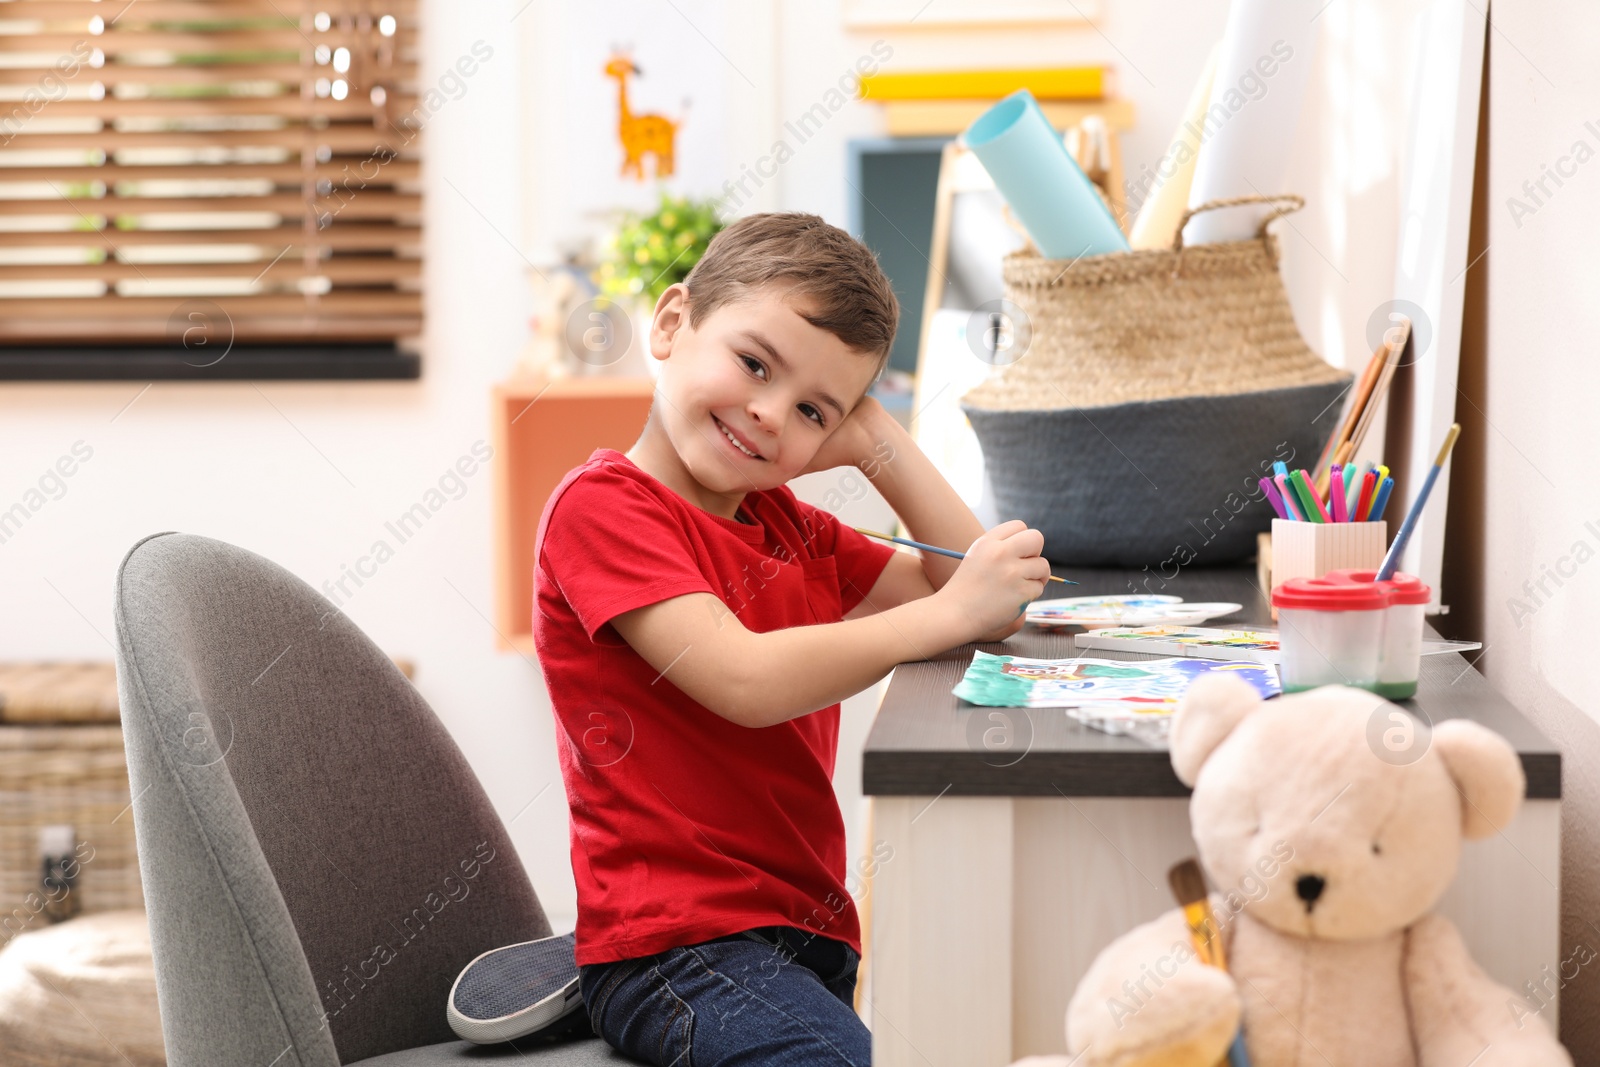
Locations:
{"points": [[759, 679], [932, 511]]}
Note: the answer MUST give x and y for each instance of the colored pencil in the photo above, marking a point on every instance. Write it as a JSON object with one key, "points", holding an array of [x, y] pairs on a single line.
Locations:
{"points": [[1358, 402], [952, 553], [1397, 351], [1357, 393]]}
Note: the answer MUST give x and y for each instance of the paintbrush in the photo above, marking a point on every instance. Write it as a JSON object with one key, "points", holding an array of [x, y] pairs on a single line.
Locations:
{"points": [[952, 553], [1392, 560], [1189, 887]]}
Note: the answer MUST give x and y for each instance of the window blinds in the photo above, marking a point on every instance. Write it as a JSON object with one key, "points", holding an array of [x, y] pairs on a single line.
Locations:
{"points": [[252, 165]]}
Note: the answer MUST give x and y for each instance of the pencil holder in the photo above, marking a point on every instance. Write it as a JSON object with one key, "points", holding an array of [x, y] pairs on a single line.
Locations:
{"points": [[1312, 549]]}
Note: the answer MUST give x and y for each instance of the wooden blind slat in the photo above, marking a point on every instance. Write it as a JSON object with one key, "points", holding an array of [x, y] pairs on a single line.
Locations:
{"points": [[338, 236], [352, 171], [177, 10], [246, 330], [115, 74], [366, 204], [290, 106], [343, 139], [242, 42], [354, 269], [349, 269], [349, 304]]}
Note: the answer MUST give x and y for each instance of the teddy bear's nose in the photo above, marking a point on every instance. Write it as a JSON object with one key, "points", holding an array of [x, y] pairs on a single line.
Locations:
{"points": [[1308, 887]]}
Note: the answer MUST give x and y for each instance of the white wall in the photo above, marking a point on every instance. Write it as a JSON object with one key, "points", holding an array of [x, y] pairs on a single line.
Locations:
{"points": [[1535, 524], [306, 474]]}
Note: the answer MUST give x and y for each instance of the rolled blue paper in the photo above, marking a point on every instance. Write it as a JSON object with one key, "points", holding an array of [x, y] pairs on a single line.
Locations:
{"points": [[1047, 190]]}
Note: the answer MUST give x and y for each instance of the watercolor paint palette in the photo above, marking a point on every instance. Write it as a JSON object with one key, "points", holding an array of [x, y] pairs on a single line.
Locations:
{"points": [[1134, 609], [1241, 646]]}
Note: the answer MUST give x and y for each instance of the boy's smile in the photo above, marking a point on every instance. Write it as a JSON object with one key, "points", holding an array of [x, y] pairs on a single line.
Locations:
{"points": [[745, 401]]}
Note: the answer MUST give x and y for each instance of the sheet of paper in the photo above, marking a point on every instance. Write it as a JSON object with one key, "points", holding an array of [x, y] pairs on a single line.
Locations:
{"points": [[1249, 124], [1200, 642], [1143, 687]]}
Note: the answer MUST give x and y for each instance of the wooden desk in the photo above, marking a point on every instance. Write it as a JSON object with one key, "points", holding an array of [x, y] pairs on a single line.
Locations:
{"points": [[1025, 842]]}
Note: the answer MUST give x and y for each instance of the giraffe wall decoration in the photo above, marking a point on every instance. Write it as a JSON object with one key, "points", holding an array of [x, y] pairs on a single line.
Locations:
{"points": [[640, 134]]}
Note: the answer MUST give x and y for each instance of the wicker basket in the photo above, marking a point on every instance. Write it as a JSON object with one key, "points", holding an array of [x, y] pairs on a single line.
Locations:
{"points": [[1155, 387], [58, 692], [73, 776]]}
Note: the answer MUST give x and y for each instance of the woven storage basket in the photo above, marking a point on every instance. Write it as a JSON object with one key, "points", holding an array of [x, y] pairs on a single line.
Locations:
{"points": [[58, 692], [64, 775], [1155, 387]]}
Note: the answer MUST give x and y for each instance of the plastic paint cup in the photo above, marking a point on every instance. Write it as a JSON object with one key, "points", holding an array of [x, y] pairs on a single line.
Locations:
{"points": [[1330, 632], [1400, 660]]}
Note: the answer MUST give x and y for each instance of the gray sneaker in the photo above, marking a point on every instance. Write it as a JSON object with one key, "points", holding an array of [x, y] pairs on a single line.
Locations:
{"points": [[512, 992]]}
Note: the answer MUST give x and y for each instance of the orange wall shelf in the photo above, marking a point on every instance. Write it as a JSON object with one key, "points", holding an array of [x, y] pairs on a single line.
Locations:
{"points": [[542, 429]]}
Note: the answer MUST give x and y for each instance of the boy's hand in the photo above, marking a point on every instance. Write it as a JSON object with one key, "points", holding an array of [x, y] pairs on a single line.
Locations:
{"points": [[853, 441], [1002, 573]]}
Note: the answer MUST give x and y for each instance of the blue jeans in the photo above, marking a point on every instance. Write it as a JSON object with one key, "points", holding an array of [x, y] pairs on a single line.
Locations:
{"points": [[773, 995]]}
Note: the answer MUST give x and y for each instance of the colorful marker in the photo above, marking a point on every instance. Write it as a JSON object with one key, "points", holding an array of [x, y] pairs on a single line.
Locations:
{"points": [[1336, 493], [1381, 500], [1314, 506], [1369, 483], [1270, 491], [1382, 473], [1290, 500]]}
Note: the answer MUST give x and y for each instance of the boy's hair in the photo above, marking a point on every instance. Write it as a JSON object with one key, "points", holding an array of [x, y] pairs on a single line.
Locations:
{"points": [[850, 296]]}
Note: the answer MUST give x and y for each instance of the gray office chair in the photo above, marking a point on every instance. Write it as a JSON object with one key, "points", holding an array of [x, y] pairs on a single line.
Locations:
{"points": [[319, 861]]}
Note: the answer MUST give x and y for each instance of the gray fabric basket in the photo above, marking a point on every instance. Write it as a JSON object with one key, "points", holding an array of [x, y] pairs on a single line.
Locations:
{"points": [[1151, 483]]}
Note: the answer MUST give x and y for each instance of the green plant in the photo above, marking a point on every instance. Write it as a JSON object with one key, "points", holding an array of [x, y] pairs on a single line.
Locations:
{"points": [[651, 252]]}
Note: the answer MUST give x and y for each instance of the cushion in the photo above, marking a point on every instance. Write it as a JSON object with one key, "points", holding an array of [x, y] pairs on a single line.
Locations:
{"points": [[579, 1053], [81, 993]]}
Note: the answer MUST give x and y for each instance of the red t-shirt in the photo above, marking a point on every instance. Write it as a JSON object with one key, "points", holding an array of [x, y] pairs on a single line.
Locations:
{"points": [[686, 826]]}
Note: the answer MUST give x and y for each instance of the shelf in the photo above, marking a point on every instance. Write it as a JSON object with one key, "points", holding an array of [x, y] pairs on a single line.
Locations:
{"points": [[542, 429], [933, 118]]}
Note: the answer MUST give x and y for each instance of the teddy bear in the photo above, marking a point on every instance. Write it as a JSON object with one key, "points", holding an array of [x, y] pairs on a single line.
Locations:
{"points": [[1329, 846]]}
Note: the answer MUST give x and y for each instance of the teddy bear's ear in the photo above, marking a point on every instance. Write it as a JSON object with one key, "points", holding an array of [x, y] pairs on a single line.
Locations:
{"points": [[1208, 712], [1486, 770]]}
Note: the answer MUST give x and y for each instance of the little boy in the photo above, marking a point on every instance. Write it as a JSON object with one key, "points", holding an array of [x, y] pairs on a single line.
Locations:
{"points": [[697, 626]]}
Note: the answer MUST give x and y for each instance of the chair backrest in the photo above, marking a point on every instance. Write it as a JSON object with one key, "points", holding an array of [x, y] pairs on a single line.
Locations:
{"points": [[319, 861]]}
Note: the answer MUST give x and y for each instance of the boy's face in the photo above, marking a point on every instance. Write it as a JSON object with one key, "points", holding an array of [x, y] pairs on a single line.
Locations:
{"points": [[755, 369]]}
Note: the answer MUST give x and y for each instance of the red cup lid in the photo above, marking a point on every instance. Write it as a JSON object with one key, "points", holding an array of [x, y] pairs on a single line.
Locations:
{"points": [[1403, 588], [1329, 594]]}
